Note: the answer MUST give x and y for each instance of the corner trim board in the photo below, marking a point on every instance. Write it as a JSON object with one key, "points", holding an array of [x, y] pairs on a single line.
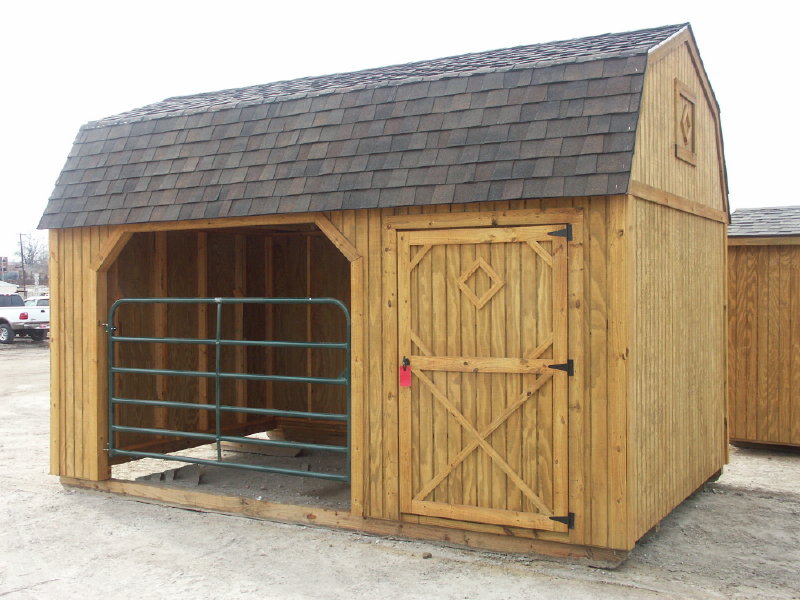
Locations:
{"points": [[778, 240]]}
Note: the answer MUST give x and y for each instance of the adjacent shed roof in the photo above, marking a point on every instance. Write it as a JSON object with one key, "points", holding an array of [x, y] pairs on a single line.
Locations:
{"points": [[765, 222], [547, 120]]}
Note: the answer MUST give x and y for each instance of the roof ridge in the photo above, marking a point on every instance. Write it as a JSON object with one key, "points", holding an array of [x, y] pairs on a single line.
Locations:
{"points": [[676, 27], [787, 206], [595, 47]]}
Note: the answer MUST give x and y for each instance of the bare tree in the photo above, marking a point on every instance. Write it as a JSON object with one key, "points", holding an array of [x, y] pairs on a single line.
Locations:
{"points": [[33, 255], [33, 250]]}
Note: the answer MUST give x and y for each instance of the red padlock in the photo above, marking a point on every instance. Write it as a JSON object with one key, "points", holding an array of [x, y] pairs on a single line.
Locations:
{"points": [[405, 373]]}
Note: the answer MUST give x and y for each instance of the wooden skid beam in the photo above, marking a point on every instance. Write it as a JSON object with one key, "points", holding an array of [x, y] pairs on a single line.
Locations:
{"points": [[322, 517]]}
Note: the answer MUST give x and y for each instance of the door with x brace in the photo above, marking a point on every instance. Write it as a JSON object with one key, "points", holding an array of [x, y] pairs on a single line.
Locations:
{"points": [[483, 424]]}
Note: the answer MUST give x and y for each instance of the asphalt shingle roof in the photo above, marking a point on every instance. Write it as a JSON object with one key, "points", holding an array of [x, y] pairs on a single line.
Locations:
{"points": [[765, 222], [541, 121]]}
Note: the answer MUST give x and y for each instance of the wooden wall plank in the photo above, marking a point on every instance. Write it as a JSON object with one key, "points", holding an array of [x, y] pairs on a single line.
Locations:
{"points": [[619, 284], [389, 397], [596, 374], [578, 424], [94, 458], [374, 389], [57, 353], [677, 359], [763, 343], [75, 300], [359, 342]]}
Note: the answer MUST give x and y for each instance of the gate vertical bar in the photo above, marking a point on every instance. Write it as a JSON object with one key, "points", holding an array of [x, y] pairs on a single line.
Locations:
{"points": [[348, 386], [217, 384]]}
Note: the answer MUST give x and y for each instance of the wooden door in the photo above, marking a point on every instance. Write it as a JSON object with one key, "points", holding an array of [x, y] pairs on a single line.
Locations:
{"points": [[483, 426]]}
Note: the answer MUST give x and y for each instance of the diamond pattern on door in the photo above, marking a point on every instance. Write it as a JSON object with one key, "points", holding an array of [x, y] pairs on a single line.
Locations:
{"points": [[497, 282]]}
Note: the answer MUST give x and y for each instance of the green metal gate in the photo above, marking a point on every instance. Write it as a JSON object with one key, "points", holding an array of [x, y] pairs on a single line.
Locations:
{"points": [[218, 375]]}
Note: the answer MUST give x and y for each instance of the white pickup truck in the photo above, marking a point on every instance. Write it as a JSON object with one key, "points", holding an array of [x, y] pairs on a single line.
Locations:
{"points": [[23, 318]]}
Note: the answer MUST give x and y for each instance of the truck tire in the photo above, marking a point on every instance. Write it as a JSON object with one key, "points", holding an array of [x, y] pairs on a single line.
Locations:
{"points": [[6, 334], [37, 336]]}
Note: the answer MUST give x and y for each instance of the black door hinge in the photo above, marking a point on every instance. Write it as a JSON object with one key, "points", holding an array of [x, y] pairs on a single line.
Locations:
{"points": [[569, 520], [567, 367], [565, 233]]}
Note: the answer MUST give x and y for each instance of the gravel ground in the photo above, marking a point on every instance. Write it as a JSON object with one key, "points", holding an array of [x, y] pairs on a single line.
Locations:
{"points": [[737, 538]]}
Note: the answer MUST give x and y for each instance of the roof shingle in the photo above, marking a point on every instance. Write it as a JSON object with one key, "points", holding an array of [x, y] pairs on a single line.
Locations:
{"points": [[765, 222], [546, 120]]}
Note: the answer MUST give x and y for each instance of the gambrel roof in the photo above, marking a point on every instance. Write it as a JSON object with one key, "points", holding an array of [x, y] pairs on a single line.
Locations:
{"points": [[542, 121], [765, 222]]}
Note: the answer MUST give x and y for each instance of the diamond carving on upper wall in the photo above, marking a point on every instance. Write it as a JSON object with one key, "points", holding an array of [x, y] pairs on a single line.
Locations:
{"points": [[686, 125], [685, 130]]}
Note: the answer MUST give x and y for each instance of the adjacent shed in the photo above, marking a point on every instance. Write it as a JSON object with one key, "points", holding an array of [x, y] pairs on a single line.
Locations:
{"points": [[764, 325], [514, 228]]}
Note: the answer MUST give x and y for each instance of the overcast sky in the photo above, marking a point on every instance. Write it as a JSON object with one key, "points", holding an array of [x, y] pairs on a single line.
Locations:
{"points": [[66, 63]]}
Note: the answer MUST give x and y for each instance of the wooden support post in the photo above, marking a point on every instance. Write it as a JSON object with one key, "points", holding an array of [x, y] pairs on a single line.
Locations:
{"points": [[239, 291], [161, 415], [202, 326], [99, 465], [309, 357], [269, 316]]}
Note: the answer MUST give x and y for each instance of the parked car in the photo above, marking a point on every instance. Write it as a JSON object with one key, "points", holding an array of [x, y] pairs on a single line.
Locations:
{"points": [[18, 318]]}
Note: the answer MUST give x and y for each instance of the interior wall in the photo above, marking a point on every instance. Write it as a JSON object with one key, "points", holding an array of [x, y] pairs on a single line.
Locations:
{"points": [[229, 264]]}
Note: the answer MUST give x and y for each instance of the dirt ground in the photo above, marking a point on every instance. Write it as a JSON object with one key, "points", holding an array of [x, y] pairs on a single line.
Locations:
{"points": [[737, 538]]}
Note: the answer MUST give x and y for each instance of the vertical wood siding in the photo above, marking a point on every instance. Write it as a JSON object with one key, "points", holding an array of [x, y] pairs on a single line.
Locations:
{"points": [[597, 443], [764, 344], [677, 437], [654, 162], [78, 421]]}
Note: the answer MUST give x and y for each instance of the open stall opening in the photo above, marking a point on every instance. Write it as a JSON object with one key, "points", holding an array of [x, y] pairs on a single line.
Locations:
{"points": [[283, 393]]}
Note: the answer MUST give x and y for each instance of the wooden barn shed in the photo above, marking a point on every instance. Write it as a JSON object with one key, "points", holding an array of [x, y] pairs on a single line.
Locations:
{"points": [[494, 282], [764, 326]]}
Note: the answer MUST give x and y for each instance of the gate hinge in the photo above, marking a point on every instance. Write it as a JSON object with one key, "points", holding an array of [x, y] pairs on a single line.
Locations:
{"points": [[565, 233], [569, 520], [568, 367], [108, 327]]}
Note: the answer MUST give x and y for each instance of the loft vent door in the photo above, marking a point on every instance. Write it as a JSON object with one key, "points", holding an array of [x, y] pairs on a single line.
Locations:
{"points": [[483, 425]]}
